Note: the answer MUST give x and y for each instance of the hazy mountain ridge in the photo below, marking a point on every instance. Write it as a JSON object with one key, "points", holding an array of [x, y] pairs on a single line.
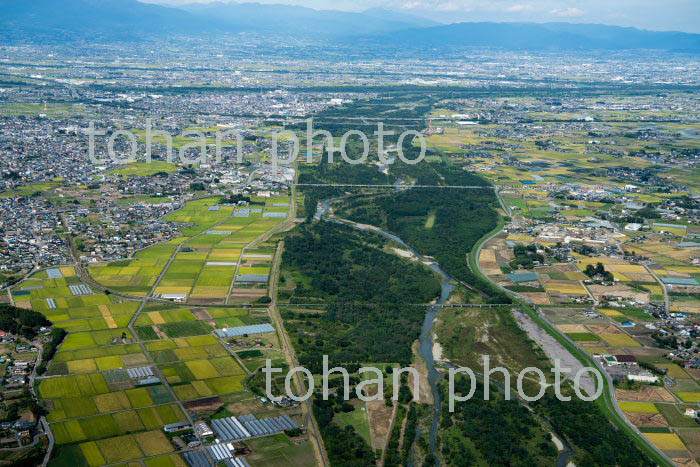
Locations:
{"points": [[108, 20], [413, 20], [541, 36], [289, 19], [37, 21]]}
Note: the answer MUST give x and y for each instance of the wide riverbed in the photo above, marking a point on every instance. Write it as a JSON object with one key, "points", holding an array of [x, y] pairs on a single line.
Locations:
{"points": [[426, 335]]}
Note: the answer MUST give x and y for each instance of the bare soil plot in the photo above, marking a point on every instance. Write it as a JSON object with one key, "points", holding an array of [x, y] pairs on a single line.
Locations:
{"points": [[618, 290], [645, 394], [640, 277], [566, 267], [602, 329], [245, 406], [210, 404], [572, 328], [646, 341], [379, 421], [206, 301], [646, 419], [685, 462], [691, 438], [201, 313], [538, 298], [646, 352], [246, 294], [136, 359], [639, 331]]}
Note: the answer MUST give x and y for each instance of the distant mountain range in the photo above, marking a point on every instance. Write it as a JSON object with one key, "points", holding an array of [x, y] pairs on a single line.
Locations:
{"points": [[37, 21], [306, 22], [92, 20], [545, 36]]}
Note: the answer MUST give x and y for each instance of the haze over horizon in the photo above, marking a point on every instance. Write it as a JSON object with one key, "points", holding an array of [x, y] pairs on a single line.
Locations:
{"points": [[675, 15]]}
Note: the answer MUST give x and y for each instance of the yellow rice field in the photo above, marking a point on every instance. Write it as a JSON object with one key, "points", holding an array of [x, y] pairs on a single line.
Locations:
{"points": [[666, 441], [619, 340]]}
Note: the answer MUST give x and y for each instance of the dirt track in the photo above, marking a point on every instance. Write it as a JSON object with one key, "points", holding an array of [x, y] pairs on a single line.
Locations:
{"points": [[555, 350]]}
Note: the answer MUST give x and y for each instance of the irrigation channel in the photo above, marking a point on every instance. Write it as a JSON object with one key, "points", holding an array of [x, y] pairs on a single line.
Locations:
{"points": [[426, 336]]}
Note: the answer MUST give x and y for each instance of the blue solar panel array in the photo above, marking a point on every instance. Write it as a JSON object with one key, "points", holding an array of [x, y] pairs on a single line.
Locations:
{"points": [[243, 330]]}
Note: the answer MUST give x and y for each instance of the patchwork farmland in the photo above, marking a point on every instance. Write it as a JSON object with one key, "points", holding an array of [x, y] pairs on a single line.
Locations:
{"points": [[130, 366], [212, 263], [613, 306]]}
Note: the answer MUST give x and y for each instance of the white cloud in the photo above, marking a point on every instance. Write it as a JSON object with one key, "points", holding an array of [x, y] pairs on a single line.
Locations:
{"points": [[449, 6], [518, 8], [567, 12]]}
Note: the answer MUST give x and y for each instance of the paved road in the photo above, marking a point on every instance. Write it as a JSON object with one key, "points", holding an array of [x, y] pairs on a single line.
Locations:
{"points": [[290, 355], [667, 300], [394, 187], [42, 420]]}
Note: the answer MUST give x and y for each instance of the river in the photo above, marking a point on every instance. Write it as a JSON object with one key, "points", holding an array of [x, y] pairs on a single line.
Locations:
{"points": [[426, 335]]}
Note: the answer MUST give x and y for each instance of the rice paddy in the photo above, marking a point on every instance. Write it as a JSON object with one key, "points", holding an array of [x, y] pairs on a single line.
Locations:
{"points": [[638, 407], [665, 441], [206, 258], [691, 397], [619, 340], [94, 405]]}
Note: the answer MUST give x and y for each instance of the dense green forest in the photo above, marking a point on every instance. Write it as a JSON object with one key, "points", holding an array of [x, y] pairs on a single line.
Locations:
{"points": [[370, 293], [340, 263], [460, 217], [371, 314], [398, 113], [343, 445], [470, 434], [444, 223], [599, 442], [20, 321], [55, 338], [337, 173]]}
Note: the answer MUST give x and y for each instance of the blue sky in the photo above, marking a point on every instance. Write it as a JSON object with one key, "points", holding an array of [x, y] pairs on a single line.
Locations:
{"points": [[679, 15]]}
